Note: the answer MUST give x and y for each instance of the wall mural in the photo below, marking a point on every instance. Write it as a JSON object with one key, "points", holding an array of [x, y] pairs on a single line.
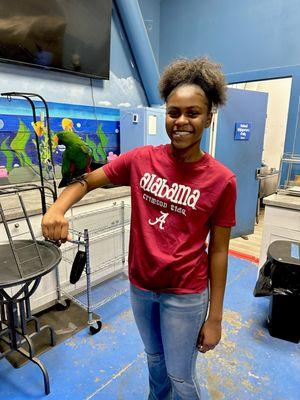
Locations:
{"points": [[98, 126]]}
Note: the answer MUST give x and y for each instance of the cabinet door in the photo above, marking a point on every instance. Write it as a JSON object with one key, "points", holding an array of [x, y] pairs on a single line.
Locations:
{"points": [[282, 217], [107, 247], [272, 233], [279, 224], [99, 217], [19, 229]]}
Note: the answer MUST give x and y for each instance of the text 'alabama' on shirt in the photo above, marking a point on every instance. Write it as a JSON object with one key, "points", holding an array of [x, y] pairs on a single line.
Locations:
{"points": [[174, 204]]}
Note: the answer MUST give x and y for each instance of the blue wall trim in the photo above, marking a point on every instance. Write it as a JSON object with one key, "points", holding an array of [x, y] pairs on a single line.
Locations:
{"points": [[139, 41]]}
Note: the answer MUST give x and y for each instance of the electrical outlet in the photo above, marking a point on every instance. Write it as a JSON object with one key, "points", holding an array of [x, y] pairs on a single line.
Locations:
{"points": [[135, 118]]}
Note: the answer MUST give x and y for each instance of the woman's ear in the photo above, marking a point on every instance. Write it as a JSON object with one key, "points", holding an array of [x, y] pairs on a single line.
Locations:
{"points": [[208, 120]]}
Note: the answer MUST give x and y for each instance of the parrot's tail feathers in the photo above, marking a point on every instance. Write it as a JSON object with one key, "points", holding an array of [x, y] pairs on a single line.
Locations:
{"points": [[64, 182], [97, 164]]}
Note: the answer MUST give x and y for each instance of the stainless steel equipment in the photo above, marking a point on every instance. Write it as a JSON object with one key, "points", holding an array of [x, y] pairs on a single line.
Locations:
{"points": [[289, 174]]}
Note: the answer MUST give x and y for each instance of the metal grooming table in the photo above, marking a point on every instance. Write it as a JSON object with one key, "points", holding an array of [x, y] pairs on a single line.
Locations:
{"points": [[22, 265]]}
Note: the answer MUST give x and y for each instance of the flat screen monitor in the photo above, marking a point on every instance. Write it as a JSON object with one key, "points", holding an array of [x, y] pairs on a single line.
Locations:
{"points": [[64, 35]]}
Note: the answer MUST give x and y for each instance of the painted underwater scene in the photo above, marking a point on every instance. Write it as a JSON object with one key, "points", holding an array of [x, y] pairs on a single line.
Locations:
{"points": [[98, 127]]}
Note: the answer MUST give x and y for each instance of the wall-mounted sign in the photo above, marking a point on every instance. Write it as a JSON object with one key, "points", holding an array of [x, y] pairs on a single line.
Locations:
{"points": [[242, 130], [152, 123]]}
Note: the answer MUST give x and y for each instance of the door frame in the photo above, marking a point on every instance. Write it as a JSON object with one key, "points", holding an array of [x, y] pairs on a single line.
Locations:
{"points": [[269, 96], [294, 104]]}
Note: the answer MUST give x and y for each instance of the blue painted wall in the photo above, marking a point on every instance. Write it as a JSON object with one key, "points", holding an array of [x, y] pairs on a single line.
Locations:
{"points": [[252, 39], [244, 35]]}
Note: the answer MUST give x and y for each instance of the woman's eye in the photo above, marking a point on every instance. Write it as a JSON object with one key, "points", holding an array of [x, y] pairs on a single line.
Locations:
{"points": [[192, 114], [176, 114], [173, 114]]}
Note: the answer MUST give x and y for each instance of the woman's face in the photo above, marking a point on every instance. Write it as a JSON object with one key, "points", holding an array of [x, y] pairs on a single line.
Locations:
{"points": [[187, 115]]}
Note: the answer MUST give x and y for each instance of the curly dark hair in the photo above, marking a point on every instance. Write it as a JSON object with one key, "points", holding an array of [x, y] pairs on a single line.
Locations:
{"points": [[200, 71]]}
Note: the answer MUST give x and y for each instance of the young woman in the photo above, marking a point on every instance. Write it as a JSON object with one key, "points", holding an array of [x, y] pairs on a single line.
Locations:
{"points": [[180, 194]]}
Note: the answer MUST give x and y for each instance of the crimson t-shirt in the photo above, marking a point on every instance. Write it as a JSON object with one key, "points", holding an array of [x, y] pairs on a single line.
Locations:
{"points": [[174, 205]]}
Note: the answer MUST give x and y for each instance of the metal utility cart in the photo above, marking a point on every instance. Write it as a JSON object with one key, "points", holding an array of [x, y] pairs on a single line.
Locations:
{"points": [[103, 236]]}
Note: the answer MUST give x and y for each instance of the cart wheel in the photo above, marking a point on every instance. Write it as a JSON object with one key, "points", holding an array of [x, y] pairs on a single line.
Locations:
{"points": [[62, 305], [94, 330]]}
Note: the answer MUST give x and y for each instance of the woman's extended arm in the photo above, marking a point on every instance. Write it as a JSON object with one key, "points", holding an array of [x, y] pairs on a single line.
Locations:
{"points": [[54, 224], [210, 334]]}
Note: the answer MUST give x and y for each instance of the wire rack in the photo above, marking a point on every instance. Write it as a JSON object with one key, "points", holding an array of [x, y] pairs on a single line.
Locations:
{"points": [[103, 235]]}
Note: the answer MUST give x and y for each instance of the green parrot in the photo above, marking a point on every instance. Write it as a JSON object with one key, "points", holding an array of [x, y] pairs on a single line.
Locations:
{"points": [[76, 159]]}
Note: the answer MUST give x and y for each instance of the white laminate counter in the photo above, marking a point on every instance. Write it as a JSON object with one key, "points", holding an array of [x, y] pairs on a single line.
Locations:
{"points": [[281, 221], [283, 200], [33, 205]]}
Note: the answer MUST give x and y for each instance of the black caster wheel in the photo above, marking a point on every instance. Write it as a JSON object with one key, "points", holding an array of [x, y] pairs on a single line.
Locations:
{"points": [[62, 305], [94, 330]]}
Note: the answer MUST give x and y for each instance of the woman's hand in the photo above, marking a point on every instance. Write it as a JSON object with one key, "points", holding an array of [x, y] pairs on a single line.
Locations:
{"points": [[209, 336], [55, 226]]}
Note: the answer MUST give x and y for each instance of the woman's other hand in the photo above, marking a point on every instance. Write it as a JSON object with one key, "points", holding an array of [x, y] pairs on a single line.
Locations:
{"points": [[209, 336], [55, 226]]}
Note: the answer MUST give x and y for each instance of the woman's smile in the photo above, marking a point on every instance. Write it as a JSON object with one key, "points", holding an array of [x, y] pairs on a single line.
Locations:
{"points": [[181, 134]]}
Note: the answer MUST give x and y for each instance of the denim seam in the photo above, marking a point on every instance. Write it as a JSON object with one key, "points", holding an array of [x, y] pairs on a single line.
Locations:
{"points": [[190, 372], [195, 355]]}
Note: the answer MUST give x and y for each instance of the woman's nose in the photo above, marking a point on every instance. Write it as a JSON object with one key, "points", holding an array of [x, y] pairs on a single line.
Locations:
{"points": [[181, 120]]}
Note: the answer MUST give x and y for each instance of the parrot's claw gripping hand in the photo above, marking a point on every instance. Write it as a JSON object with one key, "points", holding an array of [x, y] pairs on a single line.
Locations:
{"points": [[81, 179]]}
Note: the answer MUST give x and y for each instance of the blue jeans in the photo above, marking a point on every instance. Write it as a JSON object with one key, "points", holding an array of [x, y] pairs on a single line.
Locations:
{"points": [[169, 326]]}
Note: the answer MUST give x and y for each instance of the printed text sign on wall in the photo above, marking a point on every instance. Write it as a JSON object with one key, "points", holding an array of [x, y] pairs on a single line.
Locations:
{"points": [[242, 130]]}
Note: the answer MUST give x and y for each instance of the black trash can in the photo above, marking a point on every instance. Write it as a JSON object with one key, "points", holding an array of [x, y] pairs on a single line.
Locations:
{"points": [[284, 310]]}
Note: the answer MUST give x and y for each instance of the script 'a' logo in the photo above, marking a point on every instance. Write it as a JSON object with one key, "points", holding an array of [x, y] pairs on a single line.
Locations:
{"points": [[159, 220]]}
